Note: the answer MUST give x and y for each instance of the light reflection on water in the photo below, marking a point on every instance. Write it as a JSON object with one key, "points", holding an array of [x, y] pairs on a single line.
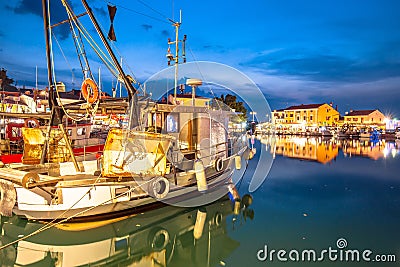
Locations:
{"points": [[318, 190], [325, 150]]}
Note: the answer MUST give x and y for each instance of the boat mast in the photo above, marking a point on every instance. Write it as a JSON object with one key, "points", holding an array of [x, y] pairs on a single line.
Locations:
{"points": [[56, 117], [56, 113], [175, 58], [36, 76], [132, 92], [176, 25], [131, 89]]}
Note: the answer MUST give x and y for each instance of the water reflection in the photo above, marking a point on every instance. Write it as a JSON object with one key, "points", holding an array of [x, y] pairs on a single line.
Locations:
{"points": [[325, 150], [166, 236]]}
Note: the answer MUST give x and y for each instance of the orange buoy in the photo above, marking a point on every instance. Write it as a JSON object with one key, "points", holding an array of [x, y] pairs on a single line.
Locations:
{"points": [[85, 90], [31, 123]]}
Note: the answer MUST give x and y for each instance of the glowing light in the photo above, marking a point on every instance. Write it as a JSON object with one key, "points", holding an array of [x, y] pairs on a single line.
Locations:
{"points": [[385, 152]]}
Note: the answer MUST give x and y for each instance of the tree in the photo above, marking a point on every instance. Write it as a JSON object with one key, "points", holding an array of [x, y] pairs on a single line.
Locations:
{"points": [[231, 101], [5, 81]]}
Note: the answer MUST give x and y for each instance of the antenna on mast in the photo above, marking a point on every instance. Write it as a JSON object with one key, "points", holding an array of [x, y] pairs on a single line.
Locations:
{"points": [[175, 58]]}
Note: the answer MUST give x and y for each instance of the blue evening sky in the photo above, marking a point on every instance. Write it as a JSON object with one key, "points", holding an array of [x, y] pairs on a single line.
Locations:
{"points": [[297, 52]]}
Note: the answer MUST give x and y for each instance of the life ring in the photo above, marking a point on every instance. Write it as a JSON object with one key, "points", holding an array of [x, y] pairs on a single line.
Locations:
{"points": [[158, 239], [114, 117], [218, 218], [219, 164], [31, 123], [8, 197], [85, 90], [158, 188]]}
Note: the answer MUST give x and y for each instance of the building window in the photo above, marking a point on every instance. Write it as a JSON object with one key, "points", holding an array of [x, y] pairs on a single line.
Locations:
{"points": [[355, 119], [298, 118], [291, 115], [372, 119], [304, 118]]}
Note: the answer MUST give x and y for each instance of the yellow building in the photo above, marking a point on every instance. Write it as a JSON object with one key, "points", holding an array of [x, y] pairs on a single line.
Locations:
{"points": [[278, 116], [365, 117], [305, 116]]}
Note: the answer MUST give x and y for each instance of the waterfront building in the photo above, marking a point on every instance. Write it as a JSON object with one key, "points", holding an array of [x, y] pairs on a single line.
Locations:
{"points": [[305, 117], [365, 118], [278, 116]]}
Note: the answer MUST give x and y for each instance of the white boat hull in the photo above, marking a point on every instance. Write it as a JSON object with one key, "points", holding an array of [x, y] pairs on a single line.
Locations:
{"points": [[93, 201]]}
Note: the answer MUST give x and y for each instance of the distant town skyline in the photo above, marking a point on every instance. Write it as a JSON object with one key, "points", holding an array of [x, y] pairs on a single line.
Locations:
{"points": [[297, 52]]}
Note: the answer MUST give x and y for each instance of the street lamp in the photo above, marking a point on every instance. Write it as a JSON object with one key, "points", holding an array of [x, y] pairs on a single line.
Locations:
{"points": [[253, 113]]}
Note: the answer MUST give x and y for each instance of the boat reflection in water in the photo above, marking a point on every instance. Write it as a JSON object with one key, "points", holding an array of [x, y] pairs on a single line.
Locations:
{"points": [[166, 236], [325, 150]]}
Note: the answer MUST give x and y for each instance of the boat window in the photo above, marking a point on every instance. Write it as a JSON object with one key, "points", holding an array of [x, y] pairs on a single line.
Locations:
{"points": [[81, 131], [157, 119], [121, 244], [172, 123]]}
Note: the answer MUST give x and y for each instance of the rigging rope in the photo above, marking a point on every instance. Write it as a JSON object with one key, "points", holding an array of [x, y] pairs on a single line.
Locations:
{"points": [[156, 11], [100, 53], [164, 18], [202, 77], [81, 118]]}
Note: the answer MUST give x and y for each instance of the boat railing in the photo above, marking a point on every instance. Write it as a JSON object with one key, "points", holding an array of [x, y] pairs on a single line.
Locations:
{"points": [[8, 147], [207, 153], [87, 148]]}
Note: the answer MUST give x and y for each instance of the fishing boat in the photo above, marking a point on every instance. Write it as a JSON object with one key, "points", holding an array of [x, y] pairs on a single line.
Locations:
{"points": [[177, 152], [167, 235], [83, 142], [348, 131], [80, 132]]}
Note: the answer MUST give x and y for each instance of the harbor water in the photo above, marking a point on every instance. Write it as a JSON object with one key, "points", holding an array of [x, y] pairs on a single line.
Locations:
{"points": [[324, 202]]}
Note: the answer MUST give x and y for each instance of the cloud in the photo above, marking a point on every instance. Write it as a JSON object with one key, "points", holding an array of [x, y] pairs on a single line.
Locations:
{"points": [[147, 27], [209, 46], [165, 33], [58, 14], [100, 11], [283, 91], [29, 7], [328, 67]]}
